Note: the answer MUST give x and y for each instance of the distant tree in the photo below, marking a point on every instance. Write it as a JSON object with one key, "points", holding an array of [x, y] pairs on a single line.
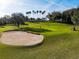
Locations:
{"points": [[43, 12], [2, 22], [7, 19], [26, 19], [34, 12], [66, 16], [32, 19], [37, 11], [49, 16], [40, 11], [74, 20], [54, 16], [39, 19], [18, 19], [29, 12]]}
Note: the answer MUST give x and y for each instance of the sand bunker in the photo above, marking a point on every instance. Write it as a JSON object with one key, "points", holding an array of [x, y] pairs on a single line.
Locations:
{"points": [[18, 38]]}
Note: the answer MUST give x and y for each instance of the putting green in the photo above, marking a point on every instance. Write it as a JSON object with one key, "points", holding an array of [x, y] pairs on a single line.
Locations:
{"points": [[19, 38]]}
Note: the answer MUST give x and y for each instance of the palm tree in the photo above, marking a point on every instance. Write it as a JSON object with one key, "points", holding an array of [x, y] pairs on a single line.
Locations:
{"points": [[37, 11], [40, 11], [34, 12], [29, 12], [43, 12]]}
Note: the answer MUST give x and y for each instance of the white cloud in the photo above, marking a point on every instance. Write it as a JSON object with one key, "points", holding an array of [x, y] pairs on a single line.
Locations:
{"points": [[55, 6], [11, 6], [6, 5]]}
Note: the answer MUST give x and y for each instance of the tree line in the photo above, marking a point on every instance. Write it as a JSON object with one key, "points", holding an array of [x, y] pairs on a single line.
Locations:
{"points": [[70, 16], [18, 19]]}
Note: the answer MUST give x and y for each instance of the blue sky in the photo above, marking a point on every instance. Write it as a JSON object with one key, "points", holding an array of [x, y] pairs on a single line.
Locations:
{"points": [[10, 6]]}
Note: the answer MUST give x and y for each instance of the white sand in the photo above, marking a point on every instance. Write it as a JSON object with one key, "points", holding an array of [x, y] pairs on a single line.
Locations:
{"points": [[18, 38]]}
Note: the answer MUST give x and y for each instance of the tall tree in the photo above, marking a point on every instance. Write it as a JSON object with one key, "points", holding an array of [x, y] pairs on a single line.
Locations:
{"points": [[74, 20], [66, 15], [54, 16], [18, 19]]}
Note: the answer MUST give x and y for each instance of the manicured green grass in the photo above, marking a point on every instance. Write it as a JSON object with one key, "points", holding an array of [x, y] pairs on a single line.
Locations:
{"points": [[61, 42]]}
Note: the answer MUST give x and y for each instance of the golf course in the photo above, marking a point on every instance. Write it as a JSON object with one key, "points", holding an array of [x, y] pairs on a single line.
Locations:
{"points": [[60, 42]]}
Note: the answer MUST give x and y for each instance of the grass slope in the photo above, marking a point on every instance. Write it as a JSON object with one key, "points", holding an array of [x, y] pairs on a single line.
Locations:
{"points": [[60, 43]]}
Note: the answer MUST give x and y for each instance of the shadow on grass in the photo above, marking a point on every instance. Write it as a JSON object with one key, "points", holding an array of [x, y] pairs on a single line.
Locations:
{"points": [[39, 30], [32, 30], [76, 30]]}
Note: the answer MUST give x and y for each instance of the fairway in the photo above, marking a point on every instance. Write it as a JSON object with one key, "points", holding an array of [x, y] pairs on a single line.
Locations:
{"points": [[60, 42]]}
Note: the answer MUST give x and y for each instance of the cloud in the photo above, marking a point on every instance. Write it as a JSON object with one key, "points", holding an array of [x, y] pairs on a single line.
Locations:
{"points": [[5, 3], [53, 6], [11, 6]]}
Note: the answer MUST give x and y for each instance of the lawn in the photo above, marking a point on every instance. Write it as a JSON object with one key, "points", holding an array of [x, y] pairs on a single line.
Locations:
{"points": [[61, 42]]}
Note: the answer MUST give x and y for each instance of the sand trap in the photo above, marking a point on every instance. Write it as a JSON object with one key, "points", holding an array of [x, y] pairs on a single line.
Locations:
{"points": [[18, 38]]}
